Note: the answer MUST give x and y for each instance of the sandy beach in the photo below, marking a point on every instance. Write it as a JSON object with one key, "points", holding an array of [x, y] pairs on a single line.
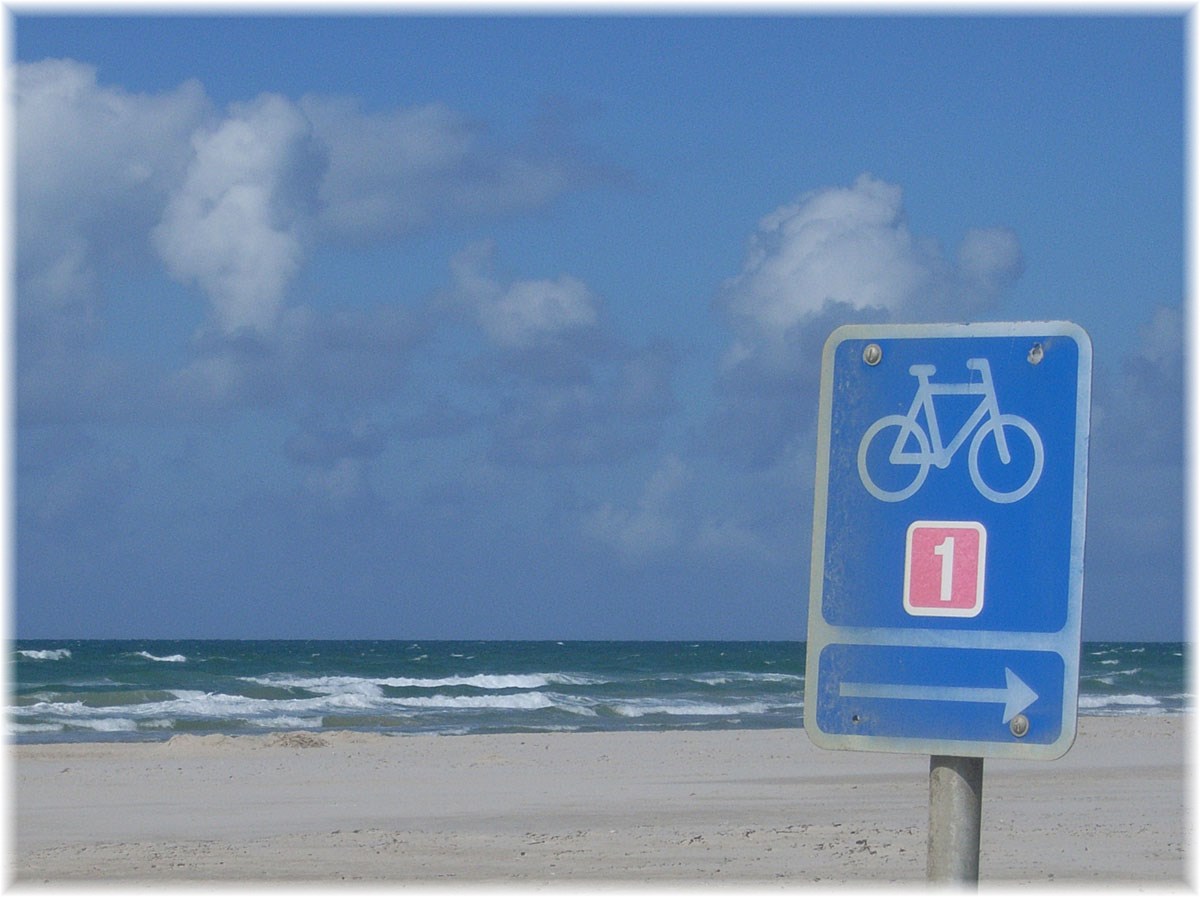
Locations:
{"points": [[741, 807]]}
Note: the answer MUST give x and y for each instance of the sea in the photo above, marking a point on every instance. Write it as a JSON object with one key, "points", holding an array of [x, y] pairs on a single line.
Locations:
{"points": [[123, 690]]}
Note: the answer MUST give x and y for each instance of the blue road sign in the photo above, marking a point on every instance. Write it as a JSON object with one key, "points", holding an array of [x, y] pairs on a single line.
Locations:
{"points": [[948, 525]]}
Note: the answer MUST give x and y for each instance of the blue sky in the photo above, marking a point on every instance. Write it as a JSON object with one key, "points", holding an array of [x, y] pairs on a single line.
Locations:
{"points": [[509, 326]]}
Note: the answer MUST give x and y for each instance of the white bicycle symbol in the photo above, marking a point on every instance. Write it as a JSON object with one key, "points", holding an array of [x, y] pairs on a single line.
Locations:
{"points": [[930, 450]]}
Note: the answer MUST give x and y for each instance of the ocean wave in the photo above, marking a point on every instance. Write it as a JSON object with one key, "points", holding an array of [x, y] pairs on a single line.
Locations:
{"points": [[320, 685], [686, 708], [482, 681], [197, 706], [50, 654], [170, 658], [728, 678], [527, 701], [287, 722], [33, 728], [108, 724], [1110, 679], [1111, 702]]}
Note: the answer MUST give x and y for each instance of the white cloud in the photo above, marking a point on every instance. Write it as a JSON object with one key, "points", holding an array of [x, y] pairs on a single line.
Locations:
{"points": [[852, 247], [524, 313], [530, 310], [234, 200], [234, 226], [836, 255], [93, 167], [839, 244]]}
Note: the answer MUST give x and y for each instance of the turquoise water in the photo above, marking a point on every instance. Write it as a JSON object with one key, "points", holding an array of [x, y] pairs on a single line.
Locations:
{"points": [[95, 690]]}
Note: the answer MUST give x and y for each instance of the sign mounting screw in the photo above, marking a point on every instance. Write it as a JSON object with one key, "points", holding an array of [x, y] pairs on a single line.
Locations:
{"points": [[1019, 725], [872, 354]]}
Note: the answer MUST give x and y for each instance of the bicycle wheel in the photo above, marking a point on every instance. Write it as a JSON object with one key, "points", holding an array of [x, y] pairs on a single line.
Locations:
{"points": [[1024, 449], [897, 457]]}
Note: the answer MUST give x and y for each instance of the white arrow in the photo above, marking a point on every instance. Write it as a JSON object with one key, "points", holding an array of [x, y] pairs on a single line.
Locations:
{"points": [[1015, 696]]}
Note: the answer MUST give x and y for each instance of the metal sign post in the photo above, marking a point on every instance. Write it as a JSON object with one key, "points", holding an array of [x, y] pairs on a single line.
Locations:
{"points": [[947, 571], [955, 819]]}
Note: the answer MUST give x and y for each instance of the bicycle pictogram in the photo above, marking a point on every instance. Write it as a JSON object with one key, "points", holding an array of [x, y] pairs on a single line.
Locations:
{"points": [[921, 449]]}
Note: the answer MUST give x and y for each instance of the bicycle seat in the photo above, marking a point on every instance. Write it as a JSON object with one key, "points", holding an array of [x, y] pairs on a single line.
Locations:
{"points": [[922, 370]]}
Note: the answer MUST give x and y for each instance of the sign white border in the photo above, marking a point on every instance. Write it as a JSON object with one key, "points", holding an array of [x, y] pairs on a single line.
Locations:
{"points": [[1065, 642]]}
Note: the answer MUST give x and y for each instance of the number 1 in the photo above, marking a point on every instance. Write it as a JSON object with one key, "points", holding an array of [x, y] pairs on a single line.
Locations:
{"points": [[945, 550]]}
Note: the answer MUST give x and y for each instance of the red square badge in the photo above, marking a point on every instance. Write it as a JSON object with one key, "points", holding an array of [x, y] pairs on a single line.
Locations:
{"points": [[944, 568]]}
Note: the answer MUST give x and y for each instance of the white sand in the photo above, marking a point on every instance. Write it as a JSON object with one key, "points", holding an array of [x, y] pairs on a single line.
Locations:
{"points": [[760, 807]]}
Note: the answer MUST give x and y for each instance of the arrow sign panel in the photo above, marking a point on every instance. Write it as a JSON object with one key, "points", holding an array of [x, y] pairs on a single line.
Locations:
{"points": [[949, 694]]}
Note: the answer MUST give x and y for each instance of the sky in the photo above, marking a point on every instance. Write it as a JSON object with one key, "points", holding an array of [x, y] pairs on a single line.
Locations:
{"points": [[496, 326]]}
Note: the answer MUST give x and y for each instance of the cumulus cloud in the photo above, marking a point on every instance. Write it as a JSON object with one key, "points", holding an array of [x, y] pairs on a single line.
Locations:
{"points": [[234, 201], [851, 246], [522, 315], [235, 224], [989, 260], [842, 244], [836, 255], [531, 311], [94, 165], [274, 176]]}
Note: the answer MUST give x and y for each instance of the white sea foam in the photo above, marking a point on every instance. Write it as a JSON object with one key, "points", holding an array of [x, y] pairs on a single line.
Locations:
{"points": [[329, 685], [170, 658], [527, 701], [50, 654], [737, 676], [194, 705], [33, 728], [50, 708], [287, 722], [273, 713], [650, 707], [1111, 678], [1109, 702], [107, 724], [482, 681]]}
